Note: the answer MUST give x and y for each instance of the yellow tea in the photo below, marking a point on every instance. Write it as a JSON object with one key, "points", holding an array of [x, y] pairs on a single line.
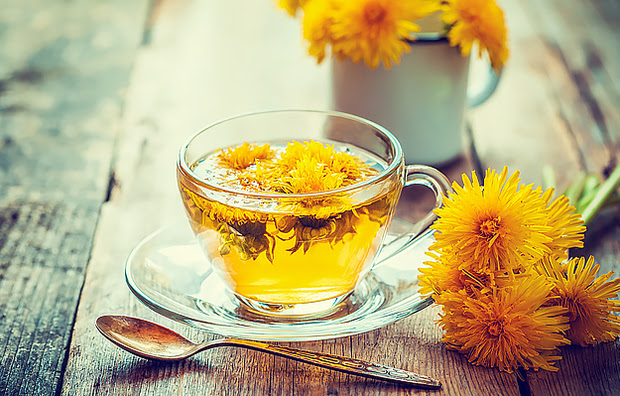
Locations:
{"points": [[289, 249]]}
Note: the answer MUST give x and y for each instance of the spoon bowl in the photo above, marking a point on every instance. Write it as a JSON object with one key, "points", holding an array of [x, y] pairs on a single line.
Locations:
{"points": [[152, 341], [144, 338]]}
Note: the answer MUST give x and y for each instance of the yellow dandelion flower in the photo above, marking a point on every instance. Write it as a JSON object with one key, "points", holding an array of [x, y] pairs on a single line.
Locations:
{"points": [[299, 168], [219, 212], [508, 328], [243, 156], [316, 26], [444, 275], [291, 6], [566, 226], [322, 153], [480, 22], [308, 176], [322, 209], [312, 166], [374, 31], [493, 227], [590, 300]]}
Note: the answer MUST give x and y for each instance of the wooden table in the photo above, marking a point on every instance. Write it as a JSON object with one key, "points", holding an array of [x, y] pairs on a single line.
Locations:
{"points": [[97, 96]]}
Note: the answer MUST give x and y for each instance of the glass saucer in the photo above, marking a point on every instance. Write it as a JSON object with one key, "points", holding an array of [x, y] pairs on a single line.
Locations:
{"points": [[169, 273]]}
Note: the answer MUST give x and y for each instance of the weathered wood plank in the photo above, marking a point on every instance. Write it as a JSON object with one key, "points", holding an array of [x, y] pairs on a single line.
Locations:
{"points": [[513, 127], [42, 260], [62, 77], [590, 56], [63, 68], [229, 75], [583, 371]]}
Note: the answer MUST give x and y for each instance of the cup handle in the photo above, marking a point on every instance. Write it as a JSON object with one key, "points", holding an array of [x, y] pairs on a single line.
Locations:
{"points": [[478, 94], [438, 183]]}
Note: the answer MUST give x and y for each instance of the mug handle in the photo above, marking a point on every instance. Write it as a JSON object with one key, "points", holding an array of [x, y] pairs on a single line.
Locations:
{"points": [[440, 185], [478, 94]]}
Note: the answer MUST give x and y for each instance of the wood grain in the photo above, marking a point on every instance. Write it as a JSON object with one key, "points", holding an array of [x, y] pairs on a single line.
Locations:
{"points": [[63, 68]]}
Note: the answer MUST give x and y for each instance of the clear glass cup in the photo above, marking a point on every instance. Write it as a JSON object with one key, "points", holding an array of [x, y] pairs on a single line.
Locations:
{"points": [[297, 255]]}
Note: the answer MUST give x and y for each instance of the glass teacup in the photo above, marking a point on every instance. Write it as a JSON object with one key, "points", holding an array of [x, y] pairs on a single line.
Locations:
{"points": [[298, 253]]}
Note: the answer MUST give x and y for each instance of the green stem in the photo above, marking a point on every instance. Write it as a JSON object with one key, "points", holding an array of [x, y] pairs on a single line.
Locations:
{"points": [[585, 200], [575, 189], [589, 191], [604, 191], [590, 184]]}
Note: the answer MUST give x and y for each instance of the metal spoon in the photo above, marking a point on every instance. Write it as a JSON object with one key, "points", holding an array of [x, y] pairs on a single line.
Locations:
{"points": [[152, 341]]}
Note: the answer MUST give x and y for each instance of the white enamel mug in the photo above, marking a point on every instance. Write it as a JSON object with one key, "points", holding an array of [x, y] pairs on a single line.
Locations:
{"points": [[421, 101]]}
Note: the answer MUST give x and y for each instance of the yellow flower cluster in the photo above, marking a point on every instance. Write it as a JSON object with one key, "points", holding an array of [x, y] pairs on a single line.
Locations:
{"points": [[378, 31], [499, 270], [241, 157], [477, 22], [301, 167]]}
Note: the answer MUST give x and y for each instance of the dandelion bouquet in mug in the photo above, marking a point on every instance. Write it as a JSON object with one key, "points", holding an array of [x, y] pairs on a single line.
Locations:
{"points": [[379, 31], [510, 295]]}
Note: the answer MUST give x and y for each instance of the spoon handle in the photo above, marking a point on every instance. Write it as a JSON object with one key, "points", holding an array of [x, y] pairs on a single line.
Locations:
{"points": [[339, 363]]}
